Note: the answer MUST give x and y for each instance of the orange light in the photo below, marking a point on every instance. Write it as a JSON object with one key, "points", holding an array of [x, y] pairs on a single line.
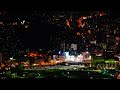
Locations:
{"points": [[79, 21], [78, 33], [67, 23], [89, 31]]}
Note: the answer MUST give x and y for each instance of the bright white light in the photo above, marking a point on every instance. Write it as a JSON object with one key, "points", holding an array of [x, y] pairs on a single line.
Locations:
{"points": [[72, 58], [66, 54], [23, 22], [80, 58], [59, 52], [11, 58], [87, 52], [68, 58], [84, 17]]}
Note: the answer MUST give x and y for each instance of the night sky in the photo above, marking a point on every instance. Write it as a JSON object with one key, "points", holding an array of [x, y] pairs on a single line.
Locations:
{"points": [[40, 35]]}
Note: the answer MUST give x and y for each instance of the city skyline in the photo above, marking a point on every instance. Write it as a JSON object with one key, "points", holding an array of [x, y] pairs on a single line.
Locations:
{"points": [[59, 43], [34, 28]]}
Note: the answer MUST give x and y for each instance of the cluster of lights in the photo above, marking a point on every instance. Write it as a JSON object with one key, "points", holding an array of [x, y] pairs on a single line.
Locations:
{"points": [[32, 54], [70, 23], [78, 58]]}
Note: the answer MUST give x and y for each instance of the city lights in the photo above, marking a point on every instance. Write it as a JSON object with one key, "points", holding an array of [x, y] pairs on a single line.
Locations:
{"points": [[66, 43]]}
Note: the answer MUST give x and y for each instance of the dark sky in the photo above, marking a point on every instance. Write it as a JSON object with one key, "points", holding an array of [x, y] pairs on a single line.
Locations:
{"points": [[40, 35]]}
